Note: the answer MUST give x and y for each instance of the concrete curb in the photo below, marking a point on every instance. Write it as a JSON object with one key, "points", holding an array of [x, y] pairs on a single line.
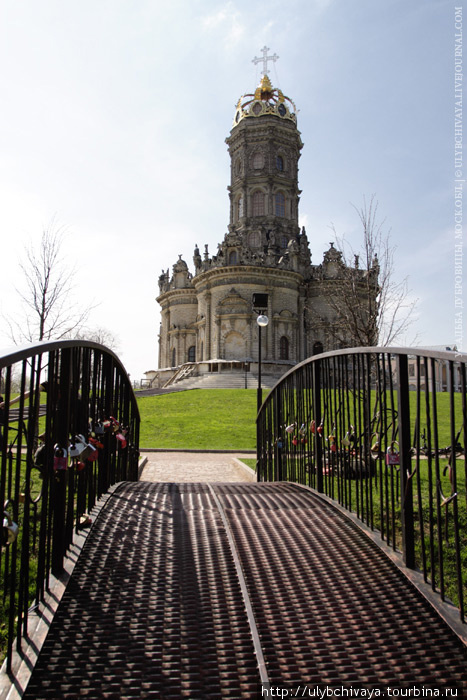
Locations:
{"points": [[142, 463], [246, 471]]}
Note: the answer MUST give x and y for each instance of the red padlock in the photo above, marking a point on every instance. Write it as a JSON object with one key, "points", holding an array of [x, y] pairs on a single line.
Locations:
{"points": [[392, 455], [92, 456], [121, 438], [60, 458]]}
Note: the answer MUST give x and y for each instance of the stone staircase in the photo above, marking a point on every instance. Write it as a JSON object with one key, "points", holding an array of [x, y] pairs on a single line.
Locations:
{"points": [[182, 373], [225, 380]]}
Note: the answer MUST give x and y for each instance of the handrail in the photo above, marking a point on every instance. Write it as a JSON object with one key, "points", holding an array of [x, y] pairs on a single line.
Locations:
{"points": [[382, 431], [69, 429], [396, 350], [12, 355]]}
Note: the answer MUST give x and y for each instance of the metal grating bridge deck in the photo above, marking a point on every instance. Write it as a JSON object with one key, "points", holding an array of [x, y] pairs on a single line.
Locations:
{"points": [[183, 590]]}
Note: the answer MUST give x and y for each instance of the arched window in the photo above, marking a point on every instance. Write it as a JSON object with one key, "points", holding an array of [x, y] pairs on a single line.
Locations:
{"points": [[258, 203], [258, 161], [191, 353], [279, 204], [254, 239], [284, 348], [280, 163], [174, 357], [233, 257], [239, 208]]}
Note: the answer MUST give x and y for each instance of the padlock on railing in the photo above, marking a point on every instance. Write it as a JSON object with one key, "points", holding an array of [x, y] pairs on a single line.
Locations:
{"points": [[121, 439], [60, 458], [374, 449], [76, 447], [10, 529], [93, 453], [392, 455]]}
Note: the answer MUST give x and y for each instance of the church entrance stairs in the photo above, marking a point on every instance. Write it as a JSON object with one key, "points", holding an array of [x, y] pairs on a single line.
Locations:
{"points": [[225, 380]]}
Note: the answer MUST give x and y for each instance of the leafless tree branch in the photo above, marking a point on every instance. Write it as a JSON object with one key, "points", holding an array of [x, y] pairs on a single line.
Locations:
{"points": [[49, 309], [374, 307]]}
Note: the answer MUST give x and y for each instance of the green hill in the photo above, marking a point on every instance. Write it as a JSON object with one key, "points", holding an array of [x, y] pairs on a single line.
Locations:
{"points": [[208, 419]]}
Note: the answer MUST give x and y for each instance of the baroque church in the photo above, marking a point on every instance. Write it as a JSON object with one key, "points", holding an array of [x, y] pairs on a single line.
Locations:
{"points": [[263, 264]]}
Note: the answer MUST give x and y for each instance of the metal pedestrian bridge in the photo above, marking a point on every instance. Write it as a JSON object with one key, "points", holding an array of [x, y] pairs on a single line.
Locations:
{"points": [[332, 574], [221, 590]]}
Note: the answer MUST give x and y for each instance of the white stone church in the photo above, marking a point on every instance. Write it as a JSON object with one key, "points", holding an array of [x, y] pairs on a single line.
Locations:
{"points": [[209, 331]]}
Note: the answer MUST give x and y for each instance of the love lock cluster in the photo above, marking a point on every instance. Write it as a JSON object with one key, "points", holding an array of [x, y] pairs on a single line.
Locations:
{"points": [[348, 444], [82, 449]]}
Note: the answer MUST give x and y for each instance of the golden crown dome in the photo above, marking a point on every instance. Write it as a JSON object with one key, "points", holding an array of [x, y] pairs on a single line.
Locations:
{"points": [[266, 100]]}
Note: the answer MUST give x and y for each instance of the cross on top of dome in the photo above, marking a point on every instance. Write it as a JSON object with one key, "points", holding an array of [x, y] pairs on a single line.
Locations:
{"points": [[265, 59], [266, 100]]}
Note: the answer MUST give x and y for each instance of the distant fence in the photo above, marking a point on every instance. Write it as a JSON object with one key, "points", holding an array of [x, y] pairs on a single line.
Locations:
{"points": [[69, 429], [381, 431]]}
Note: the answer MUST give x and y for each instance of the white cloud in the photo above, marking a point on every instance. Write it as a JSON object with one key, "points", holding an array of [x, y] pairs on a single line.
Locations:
{"points": [[228, 22]]}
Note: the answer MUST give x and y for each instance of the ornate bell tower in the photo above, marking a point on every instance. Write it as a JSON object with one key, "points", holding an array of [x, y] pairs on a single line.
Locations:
{"points": [[264, 147]]}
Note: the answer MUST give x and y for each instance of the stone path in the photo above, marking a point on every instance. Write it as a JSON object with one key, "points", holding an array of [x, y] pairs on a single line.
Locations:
{"points": [[195, 467]]}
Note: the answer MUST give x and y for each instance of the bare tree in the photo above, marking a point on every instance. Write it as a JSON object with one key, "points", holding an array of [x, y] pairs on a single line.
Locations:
{"points": [[49, 311], [99, 335], [373, 306]]}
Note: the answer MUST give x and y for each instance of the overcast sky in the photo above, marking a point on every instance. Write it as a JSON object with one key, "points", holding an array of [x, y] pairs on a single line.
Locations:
{"points": [[115, 112]]}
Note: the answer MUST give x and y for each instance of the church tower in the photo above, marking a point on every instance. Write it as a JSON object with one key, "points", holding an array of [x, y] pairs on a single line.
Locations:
{"points": [[264, 147], [208, 318]]}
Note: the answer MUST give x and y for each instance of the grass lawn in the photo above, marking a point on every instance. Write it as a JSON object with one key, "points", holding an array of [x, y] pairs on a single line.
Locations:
{"points": [[249, 462], [208, 419]]}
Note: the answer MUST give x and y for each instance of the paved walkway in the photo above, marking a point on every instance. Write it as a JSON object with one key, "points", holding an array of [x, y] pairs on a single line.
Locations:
{"points": [[190, 467]]}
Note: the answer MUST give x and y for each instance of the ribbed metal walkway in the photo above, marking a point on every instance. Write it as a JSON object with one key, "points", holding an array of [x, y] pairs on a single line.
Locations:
{"points": [[155, 607]]}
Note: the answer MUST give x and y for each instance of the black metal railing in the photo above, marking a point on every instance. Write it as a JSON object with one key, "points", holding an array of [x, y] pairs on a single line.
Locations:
{"points": [[69, 427], [381, 431]]}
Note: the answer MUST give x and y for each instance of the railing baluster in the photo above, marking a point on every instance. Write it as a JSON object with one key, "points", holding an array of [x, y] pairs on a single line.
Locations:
{"points": [[84, 381], [364, 448], [408, 542]]}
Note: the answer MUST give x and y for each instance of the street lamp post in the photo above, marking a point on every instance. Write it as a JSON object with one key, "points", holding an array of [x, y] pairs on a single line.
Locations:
{"points": [[262, 322]]}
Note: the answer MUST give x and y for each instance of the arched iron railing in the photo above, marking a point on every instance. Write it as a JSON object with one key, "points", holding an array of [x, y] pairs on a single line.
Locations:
{"points": [[381, 431], [69, 429]]}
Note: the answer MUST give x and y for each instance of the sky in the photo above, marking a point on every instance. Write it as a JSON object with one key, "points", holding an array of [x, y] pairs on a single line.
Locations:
{"points": [[113, 123]]}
